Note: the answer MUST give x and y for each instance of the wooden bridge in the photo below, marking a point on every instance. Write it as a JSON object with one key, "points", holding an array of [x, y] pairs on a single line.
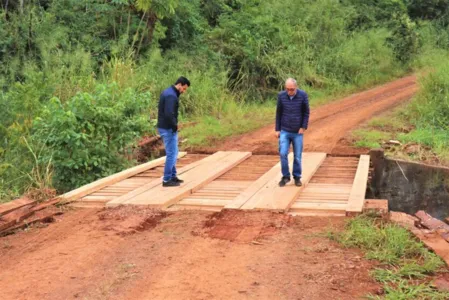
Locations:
{"points": [[236, 180]]}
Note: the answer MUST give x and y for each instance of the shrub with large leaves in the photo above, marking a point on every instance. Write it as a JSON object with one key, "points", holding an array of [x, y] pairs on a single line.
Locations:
{"points": [[89, 136]]}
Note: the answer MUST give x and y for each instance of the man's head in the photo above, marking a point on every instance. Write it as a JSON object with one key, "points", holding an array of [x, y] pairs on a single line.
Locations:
{"points": [[182, 84], [291, 86]]}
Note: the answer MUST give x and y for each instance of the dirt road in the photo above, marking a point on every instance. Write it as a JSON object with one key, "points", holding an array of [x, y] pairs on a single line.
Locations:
{"points": [[188, 255], [329, 123], [138, 254]]}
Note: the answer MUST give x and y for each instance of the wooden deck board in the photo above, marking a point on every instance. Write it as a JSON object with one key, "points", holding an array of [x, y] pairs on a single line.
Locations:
{"points": [[267, 194], [110, 180], [195, 179], [358, 191], [124, 199]]}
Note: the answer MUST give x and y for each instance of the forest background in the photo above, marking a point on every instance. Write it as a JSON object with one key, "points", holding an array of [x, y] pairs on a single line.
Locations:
{"points": [[80, 79]]}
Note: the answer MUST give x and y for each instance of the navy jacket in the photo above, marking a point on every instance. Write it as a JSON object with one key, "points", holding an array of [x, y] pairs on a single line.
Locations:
{"points": [[291, 115], [167, 116]]}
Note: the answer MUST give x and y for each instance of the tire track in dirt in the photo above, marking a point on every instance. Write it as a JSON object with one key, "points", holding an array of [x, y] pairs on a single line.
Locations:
{"points": [[328, 123]]}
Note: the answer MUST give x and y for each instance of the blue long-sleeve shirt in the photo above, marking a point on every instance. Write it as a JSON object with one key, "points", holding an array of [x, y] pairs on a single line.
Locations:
{"points": [[167, 117], [292, 114]]}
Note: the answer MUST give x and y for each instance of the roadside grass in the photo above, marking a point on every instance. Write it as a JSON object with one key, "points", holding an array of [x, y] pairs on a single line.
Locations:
{"points": [[370, 138], [233, 120], [422, 125], [432, 144], [405, 267]]}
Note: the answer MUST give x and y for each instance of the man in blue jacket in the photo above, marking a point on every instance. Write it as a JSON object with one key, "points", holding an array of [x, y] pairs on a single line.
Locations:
{"points": [[292, 118], [167, 125]]}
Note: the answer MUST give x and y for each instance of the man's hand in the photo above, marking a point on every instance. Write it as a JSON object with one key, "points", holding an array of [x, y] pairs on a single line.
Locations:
{"points": [[301, 130], [277, 133]]}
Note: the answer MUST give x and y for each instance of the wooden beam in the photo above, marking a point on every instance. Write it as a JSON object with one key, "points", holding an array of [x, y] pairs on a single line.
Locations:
{"points": [[433, 224], [276, 198], [194, 179], [358, 191], [15, 204], [110, 180], [376, 207], [256, 186]]}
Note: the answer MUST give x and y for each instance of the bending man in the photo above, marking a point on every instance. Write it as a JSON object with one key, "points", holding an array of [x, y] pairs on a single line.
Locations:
{"points": [[167, 125], [292, 118]]}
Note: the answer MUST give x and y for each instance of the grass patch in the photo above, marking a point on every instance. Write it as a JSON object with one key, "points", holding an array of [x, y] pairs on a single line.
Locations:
{"points": [[405, 264], [370, 138], [389, 122], [234, 119]]}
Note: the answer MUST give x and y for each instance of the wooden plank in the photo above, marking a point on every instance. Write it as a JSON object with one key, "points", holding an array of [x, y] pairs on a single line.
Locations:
{"points": [[248, 194], [217, 193], [357, 195], [276, 198], [324, 196], [127, 197], [378, 207], [328, 191], [194, 207], [46, 217], [319, 206], [203, 202], [228, 183], [433, 224], [96, 198], [316, 213], [217, 197], [15, 204], [323, 201], [194, 180], [110, 180], [325, 185], [207, 161]]}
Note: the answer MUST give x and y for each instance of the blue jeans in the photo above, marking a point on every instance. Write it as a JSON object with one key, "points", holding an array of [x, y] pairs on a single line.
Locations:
{"points": [[170, 139], [285, 140]]}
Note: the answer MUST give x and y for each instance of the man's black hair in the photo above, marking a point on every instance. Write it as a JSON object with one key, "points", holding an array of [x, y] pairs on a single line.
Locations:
{"points": [[182, 80]]}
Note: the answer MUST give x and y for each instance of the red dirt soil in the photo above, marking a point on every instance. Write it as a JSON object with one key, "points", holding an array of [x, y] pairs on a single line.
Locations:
{"points": [[186, 256], [135, 253], [329, 123]]}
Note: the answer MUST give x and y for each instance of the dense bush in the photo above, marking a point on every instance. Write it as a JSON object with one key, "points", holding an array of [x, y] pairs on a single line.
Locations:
{"points": [[91, 135]]}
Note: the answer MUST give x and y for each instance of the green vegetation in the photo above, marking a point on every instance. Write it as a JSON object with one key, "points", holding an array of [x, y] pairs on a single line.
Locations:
{"points": [[423, 122], [405, 264], [370, 138], [58, 56]]}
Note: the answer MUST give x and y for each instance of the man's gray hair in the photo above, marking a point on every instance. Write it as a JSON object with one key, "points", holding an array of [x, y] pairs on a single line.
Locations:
{"points": [[292, 80]]}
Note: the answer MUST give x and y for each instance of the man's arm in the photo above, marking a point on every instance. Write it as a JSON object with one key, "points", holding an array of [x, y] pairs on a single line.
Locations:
{"points": [[305, 112], [278, 115], [169, 112]]}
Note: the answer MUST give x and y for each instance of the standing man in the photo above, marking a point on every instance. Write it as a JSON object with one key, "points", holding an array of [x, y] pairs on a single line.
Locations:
{"points": [[167, 125], [292, 118]]}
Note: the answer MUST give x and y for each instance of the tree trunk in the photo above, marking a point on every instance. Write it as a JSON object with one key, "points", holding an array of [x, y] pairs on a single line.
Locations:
{"points": [[6, 7], [151, 24]]}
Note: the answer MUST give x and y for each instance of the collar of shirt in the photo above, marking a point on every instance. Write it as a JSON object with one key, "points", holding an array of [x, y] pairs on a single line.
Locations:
{"points": [[176, 90]]}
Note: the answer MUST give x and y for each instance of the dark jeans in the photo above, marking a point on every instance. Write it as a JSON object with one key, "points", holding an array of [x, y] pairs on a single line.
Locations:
{"points": [[170, 139], [285, 139]]}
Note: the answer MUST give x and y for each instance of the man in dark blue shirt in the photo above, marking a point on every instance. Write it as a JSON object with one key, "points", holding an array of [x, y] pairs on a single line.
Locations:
{"points": [[167, 125], [292, 118]]}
